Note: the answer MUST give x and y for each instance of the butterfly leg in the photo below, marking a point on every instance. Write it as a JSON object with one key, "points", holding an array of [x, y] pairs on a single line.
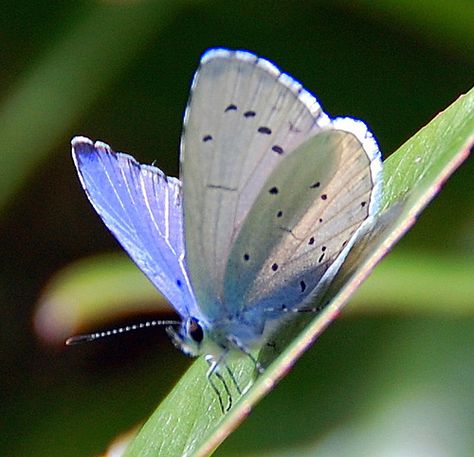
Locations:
{"points": [[227, 391], [258, 366], [214, 370], [232, 377]]}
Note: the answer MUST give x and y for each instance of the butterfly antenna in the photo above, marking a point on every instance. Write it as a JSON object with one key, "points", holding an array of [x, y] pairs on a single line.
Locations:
{"points": [[87, 337]]}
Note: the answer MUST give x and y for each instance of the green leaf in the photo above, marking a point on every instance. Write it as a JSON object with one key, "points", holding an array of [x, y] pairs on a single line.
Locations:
{"points": [[189, 421]]}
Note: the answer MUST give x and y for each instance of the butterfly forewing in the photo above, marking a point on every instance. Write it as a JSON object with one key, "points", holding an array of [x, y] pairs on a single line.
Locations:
{"points": [[302, 222], [244, 118], [143, 209]]}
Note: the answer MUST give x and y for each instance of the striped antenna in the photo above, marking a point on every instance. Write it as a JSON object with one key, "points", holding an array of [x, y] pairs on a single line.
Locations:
{"points": [[87, 337]]}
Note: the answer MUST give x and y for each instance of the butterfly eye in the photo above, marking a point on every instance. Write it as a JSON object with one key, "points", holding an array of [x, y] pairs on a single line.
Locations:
{"points": [[195, 330]]}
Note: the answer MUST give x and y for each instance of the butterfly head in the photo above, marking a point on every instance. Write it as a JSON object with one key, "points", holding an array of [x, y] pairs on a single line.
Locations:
{"points": [[189, 337]]}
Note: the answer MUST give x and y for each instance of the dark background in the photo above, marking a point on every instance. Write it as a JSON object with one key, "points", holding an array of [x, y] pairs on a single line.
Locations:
{"points": [[120, 71]]}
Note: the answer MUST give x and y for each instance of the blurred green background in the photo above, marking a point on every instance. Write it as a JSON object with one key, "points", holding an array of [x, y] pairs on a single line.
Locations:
{"points": [[392, 377]]}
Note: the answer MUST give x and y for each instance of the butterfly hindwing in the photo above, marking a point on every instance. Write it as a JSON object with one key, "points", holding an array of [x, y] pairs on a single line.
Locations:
{"points": [[142, 207], [305, 220]]}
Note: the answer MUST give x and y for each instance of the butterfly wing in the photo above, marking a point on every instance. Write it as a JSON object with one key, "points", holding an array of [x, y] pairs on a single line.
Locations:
{"points": [[305, 220], [243, 118], [142, 207]]}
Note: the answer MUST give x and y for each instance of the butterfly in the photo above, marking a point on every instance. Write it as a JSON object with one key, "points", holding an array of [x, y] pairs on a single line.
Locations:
{"points": [[272, 195]]}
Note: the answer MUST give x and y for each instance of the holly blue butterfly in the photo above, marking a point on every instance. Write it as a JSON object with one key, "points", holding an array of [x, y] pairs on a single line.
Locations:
{"points": [[273, 195]]}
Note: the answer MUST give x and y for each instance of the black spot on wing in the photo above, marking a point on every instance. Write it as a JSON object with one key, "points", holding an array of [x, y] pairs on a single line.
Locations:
{"points": [[249, 114], [231, 107], [303, 286], [246, 257], [275, 267], [277, 149], [324, 197], [206, 138], [273, 190], [264, 130], [315, 185]]}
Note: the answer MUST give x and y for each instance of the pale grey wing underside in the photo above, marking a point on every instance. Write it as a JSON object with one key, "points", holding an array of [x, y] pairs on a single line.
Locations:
{"points": [[142, 207], [305, 220], [243, 119]]}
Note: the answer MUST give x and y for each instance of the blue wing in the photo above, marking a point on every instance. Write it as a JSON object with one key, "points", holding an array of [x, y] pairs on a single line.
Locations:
{"points": [[142, 207]]}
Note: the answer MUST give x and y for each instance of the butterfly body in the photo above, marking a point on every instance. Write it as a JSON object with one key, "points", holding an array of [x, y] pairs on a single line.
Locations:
{"points": [[272, 196]]}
